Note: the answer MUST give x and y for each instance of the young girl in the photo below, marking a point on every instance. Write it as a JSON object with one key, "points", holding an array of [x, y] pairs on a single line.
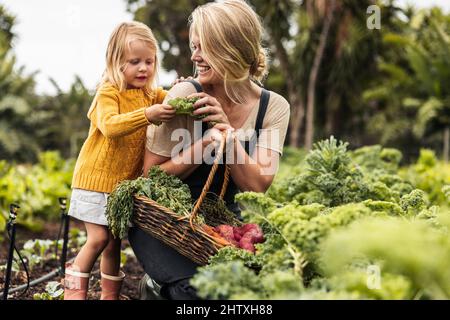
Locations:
{"points": [[125, 104]]}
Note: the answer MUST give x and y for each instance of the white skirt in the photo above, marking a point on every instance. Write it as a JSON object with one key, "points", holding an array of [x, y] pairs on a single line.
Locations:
{"points": [[88, 206]]}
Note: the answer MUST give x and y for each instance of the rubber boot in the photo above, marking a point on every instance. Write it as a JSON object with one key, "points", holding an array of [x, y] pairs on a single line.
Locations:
{"points": [[111, 286], [75, 283]]}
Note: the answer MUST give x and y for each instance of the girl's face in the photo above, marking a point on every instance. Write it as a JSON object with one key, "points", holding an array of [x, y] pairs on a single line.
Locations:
{"points": [[139, 64], [206, 74]]}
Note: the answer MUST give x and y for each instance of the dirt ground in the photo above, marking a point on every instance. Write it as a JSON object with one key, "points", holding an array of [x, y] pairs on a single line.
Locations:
{"points": [[132, 268]]}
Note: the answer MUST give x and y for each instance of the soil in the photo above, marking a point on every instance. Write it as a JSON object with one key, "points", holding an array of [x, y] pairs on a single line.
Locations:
{"points": [[132, 268]]}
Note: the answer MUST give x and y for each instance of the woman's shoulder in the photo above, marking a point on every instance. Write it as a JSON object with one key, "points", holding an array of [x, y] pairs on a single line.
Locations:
{"points": [[278, 106], [182, 89], [276, 100]]}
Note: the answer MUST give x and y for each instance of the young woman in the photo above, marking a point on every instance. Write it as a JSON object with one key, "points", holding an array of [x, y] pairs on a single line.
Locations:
{"points": [[230, 63]]}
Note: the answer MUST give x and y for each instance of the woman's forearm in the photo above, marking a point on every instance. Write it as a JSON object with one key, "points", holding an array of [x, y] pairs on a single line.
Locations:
{"points": [[183, 164], [247, 173]]}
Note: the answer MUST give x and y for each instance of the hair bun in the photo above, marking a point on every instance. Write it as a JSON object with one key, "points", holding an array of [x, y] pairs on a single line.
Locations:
{"points": [[258, 69]]}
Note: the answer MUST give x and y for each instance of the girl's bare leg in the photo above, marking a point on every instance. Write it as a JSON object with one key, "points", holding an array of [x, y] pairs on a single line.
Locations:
{"points": [[97, 240], [110, 262]]}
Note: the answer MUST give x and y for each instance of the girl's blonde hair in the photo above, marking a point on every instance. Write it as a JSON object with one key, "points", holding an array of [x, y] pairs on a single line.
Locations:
{"points": [[230, 34], [119, 42]]}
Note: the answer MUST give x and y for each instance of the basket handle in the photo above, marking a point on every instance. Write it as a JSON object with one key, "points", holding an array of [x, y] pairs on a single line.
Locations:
{"points": [[210, 179], [226, 179]]}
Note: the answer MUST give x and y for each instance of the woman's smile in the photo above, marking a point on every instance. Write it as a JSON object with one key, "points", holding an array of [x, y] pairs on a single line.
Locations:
{"points": [[203, 69]]}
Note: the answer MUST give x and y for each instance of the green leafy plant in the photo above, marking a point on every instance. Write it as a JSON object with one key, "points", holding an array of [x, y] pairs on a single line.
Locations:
{"points": [[36, 188], [185, 106], [339, 216], [167, 190], [53, 291]]}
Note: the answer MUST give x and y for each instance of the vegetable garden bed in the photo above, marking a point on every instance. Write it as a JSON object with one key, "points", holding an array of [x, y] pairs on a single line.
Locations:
{"points": [[131, 267]]}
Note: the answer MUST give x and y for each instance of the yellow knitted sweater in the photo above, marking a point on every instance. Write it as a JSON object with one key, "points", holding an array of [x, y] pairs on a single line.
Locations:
{"points": [[114, 148]]}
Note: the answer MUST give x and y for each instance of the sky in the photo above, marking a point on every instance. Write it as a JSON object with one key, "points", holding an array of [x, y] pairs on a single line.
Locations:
{"points": [[64, 38]]}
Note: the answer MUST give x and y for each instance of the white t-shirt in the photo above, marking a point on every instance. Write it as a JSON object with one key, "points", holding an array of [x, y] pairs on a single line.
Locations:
{"points": [[163, 139]]}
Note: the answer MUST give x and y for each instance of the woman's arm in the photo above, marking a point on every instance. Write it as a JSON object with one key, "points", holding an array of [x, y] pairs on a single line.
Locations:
{"points": [[181, 165], [254, 173], [160, 146]]}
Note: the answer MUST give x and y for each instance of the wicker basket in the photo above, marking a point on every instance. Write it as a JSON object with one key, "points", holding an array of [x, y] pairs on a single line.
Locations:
{"points": [[181, 233]]}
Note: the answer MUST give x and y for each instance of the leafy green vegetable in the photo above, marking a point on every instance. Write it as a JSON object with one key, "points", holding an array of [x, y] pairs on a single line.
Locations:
{"points": [[36, 188], [343, 225], [228, 254], [53, 291], [410, 248], [225, 281], [185, 106], [167, 190]]}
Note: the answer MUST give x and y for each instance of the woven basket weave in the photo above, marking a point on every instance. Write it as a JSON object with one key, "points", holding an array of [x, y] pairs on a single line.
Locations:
{"points": [[180, 232]]}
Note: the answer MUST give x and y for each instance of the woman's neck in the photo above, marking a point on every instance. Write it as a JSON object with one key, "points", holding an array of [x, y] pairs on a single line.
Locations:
{"points": [[249, 92]]}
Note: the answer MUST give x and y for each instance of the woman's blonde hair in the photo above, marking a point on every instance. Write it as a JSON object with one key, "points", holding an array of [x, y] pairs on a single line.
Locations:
{"points": [[230, 34], [119, 42]]}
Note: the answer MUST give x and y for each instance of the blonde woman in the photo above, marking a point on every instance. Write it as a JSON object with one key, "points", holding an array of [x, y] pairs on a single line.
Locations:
{"points": [[125, 104], [230, 64]]}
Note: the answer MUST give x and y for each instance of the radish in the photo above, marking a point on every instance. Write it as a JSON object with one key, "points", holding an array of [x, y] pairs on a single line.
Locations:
{"points": [[226, 231], [246, 242], [237, 233], [248, 227]]}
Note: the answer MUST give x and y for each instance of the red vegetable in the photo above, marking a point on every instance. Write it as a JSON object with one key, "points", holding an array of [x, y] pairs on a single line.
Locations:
{"points": [[247, 243], [247, 246], [226, 231], [249, 226], [243, 237], [257, 235], [237, 233]]}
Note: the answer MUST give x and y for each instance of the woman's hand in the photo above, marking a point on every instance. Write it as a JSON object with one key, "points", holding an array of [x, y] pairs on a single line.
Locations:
{"points": [[180, 79], [220, 131], [209, 106]]}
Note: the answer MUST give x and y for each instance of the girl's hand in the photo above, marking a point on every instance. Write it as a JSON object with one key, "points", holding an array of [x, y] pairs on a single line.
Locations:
{"points": [[180, 79], [210, 107], [158, 113]]}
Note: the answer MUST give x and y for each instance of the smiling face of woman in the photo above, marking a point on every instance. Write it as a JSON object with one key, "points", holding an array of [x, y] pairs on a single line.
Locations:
{"points": [[139, 64], [206, 74]]}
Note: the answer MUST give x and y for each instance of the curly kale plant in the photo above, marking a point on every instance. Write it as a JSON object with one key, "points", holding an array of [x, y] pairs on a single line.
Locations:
{"points": [[185, 106], [330, 177], [225, 281], [167, 190], [411, 248]]}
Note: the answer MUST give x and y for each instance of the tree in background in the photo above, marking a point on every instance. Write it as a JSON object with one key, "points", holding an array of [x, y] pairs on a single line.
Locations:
{"points": [[61, 120], [31, 123], [6, 24], [16, 138], [411, 96], [168, 21], [318, 50], [387, 86]]}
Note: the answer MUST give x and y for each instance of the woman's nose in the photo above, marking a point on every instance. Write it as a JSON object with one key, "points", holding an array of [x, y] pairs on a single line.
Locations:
{"points": [[195, 57]]}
